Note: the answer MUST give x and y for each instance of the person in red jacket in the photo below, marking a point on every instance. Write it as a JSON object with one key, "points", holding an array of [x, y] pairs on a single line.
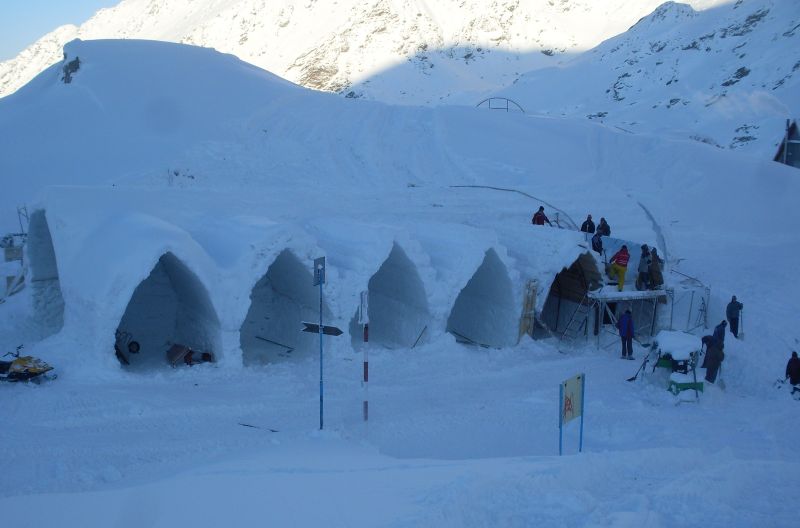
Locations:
{"points": [[619, 265], [539, 218]]}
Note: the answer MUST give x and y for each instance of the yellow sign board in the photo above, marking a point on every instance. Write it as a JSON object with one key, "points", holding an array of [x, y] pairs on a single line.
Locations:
{"points": [[571, 398]]}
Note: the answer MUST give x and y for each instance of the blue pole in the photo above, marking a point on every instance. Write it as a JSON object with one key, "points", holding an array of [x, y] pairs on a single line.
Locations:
{"points": [[583, 410], [560, 414], [320, 355]]}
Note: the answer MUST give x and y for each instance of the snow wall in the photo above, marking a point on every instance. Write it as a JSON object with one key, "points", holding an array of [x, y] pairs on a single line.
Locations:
{"points": [[485, 312], [48, 302], [398, 305], [171, 306], [280, 301], [166, 271]]}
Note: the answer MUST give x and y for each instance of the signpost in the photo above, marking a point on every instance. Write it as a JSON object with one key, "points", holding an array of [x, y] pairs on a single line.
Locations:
{"points": [[327, 330], [570, 406], [319, 278]]}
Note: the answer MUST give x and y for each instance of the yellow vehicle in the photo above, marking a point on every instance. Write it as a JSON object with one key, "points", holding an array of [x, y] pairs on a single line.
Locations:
{"points": [[25, 368]]}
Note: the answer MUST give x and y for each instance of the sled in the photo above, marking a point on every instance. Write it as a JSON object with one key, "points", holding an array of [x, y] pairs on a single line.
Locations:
{"points": [[181, 353]]}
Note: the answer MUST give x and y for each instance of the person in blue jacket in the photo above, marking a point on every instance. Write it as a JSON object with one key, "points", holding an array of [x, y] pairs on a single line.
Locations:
{"points": [[625, 326]]}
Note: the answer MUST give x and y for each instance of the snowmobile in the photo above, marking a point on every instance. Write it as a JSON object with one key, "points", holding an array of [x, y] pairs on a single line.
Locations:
{"points": [[25, 368]]}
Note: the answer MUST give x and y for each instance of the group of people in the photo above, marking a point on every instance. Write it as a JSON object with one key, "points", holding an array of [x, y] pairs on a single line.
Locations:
{"points": [[650, 277], [540, 218], [603, 229], [650, 269], [715, 343]]}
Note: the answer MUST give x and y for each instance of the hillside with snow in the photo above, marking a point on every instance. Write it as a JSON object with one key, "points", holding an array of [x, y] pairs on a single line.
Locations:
{"points": [[180, 195], [718, 72], [435, 52], [728, 76]]}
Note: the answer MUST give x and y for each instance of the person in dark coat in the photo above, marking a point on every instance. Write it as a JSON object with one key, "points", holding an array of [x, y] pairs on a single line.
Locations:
{"points": [[603, 228], [539, 218], [732, 313], [625, 326], [719, 333], [793, 369], [713, 359], [656, 267], [643, 281], [588, 226], [597, 243]]}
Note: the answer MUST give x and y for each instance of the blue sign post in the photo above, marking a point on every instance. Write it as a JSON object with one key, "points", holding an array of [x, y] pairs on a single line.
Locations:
{"points": [[319, 278]]}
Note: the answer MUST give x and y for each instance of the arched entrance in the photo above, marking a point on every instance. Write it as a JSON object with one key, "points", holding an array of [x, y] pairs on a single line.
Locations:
{"points": [[398, 305], [279, 302], [484, 312], [171, 306], [567, 297]]}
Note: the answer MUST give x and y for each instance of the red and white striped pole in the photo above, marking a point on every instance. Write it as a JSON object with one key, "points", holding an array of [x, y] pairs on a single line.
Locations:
{"points": [[364, 320], [366, 373]]}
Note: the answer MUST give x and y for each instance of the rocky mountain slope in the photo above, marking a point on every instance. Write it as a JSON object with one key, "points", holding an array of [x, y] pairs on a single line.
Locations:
{"points": [[404, 51], [727, 76]]}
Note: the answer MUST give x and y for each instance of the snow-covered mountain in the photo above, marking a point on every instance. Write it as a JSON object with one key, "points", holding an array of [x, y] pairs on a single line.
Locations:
{"points": [[446, 50], [727, 76]]}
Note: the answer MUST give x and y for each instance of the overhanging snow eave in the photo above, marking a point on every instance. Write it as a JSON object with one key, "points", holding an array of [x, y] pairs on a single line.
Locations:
{"points": [[610, 293]]}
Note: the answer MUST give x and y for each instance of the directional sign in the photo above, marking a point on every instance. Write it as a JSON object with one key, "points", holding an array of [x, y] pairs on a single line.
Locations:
{"points": [[327, 330]]}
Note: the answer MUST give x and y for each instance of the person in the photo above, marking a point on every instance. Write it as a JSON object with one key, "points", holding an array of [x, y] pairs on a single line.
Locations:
{"points": [[597, 243], [793, 369], [619, 265], [713, 358], [603, 228], [588, 226], [719, 333], [539, 218], [656, 266], [625, 326], [732, 312], [643, 281]]}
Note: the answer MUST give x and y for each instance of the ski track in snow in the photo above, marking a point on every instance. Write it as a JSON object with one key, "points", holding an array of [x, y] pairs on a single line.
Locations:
{"points": [[659, 233]]}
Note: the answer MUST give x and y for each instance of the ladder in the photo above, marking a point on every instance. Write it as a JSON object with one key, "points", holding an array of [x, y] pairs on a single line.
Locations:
{"points": [[579, 320]]}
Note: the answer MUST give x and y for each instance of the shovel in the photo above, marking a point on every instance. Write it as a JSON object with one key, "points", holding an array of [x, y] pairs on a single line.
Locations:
{"points": [[741, 325], [720, 381]]}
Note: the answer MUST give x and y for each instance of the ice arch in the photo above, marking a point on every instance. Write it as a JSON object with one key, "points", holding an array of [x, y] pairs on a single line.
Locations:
{"points": [[568, 293], [279, 302], [48, 302], [171, 306], [484, 312], [398, 306]]}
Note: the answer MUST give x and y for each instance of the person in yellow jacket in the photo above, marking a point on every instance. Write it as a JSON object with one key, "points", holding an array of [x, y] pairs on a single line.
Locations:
{"points": [[619, 265]]}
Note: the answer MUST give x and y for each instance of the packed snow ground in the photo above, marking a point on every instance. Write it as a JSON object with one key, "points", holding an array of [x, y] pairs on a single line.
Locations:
{"points": [[458, 436]]}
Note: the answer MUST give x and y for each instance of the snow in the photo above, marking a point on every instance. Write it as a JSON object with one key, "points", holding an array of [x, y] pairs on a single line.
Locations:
{"points": [[203, 232], [722, 75], [679, 345]]}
